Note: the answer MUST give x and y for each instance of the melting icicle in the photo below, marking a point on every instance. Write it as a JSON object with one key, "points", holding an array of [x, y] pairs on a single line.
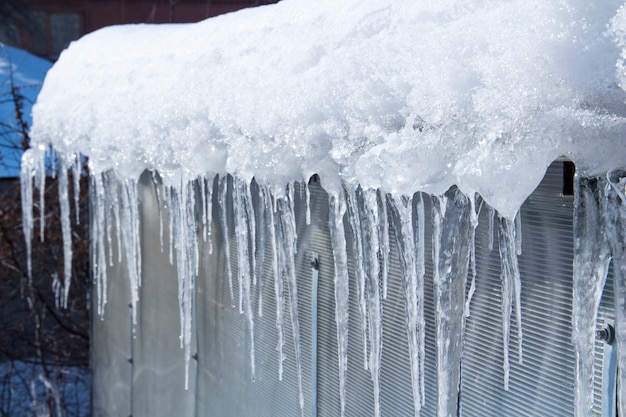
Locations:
{"points": [[616, 232], [384, 241], [209, 212], [287, 235], [222, 198], [511, 290], [40, 182], [518, 234], [474, 213], [243, 226], [26, 195], [342, 290], [451, 238], [66, 231], [591, 264], [98, 204], [307, 194], [413, 288], [261, 227], [367, 202], [491, 214], [357, 253], [279, 290], [129, 219], [76, 174]]}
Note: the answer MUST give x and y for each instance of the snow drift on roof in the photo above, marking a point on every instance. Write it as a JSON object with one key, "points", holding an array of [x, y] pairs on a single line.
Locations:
{"points": [[401, 95]]}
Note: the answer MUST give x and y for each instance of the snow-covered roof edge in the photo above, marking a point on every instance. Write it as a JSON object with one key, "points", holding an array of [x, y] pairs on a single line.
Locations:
{"points": [[404, 97]]}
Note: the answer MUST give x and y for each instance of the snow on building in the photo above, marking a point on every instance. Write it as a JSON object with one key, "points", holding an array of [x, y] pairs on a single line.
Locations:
{"points": [[363, 208]]}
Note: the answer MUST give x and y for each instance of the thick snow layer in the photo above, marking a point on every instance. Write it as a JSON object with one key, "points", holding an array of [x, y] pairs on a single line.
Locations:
{"points": [[402, 95], [21, 74]]}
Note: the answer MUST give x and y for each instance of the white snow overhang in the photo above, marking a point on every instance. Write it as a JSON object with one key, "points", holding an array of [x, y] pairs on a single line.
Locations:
{"points": [[404, 96]]}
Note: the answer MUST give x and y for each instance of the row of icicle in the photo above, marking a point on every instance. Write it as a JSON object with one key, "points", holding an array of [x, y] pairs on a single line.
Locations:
{"points": [[370, 214]]}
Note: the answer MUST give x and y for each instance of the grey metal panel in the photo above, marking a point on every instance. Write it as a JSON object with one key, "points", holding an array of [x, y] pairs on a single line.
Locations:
{"points": [[542, 386], [158, 361], [111, 347]]}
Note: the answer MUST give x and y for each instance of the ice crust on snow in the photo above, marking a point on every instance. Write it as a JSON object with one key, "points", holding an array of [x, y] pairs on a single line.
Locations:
{"points": [[399, 96], [389, 104]]}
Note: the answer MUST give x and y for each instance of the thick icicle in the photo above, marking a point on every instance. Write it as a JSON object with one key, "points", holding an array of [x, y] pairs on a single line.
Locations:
{"points": [[209, 211], [66, 229], [342, 290], [616, 217], [279, 290], [511, 290], [40, 182], [98, 230], [288, 237], [129, 219], [357, 253], [367, 202], [222, 202], [76, 174], [474, 220], [261, 225], [242, 232], [26, 195], [491, 213], [451, 238], [384, 242], [591, 262], [401, 208]]}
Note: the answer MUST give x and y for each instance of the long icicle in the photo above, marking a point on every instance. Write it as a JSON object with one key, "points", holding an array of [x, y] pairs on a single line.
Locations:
{"points": [[222, 202], [615, 229], [242, 233], [357, 254], [400, 208], [342, 290], [451, 238], [591, 265], [289, 239], [26, 195], [511, 290], [66, 231], [367, 201]]}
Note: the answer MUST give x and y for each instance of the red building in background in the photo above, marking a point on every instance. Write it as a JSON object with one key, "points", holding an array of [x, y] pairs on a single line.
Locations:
{"points": [[52, 24]]}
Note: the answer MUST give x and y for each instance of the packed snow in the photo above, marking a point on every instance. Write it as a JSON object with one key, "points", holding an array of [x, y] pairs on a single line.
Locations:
{"points": [[382, 101]]}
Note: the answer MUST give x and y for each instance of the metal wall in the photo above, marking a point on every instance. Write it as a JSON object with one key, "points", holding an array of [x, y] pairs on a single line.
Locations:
{"points": [[143, 374]]}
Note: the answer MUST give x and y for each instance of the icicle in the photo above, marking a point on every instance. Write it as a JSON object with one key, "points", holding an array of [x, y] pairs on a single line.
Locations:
{"points": [[171, 212], [203, 197], [420, 267], [451, 238], [616, 231], [474, 221], [40, 182], [223, 192], [159, 201], [287, 228], [242, 232], [251, 221], [401, 208], [367, 202], [357, 253], [98, 204], [518, 234], [26, 194], [491, 214], [209, 211], [591, 264], [111, 196], [130, 237], [76, 174], [261, 227], [511, 290], [279, 290], [342, 290], [66, 231], [308, 202], [384, 241]]}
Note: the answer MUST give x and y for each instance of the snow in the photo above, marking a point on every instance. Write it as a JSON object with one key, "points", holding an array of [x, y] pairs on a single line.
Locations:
{"points": [[399, 96], [460, 103]]}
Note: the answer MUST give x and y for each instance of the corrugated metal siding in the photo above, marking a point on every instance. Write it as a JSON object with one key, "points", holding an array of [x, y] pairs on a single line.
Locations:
{"points": [[542, 386]]}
